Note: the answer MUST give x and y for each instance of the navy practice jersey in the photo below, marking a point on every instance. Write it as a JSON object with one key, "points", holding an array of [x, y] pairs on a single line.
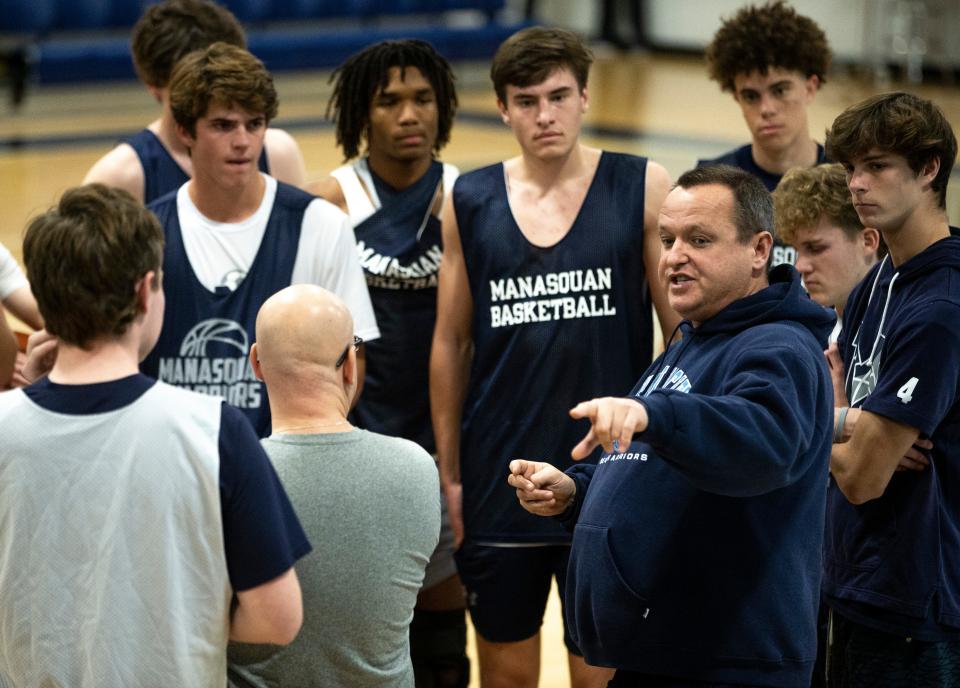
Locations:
{"points": [[161, 173], [552, 327], [400, 249], [206, 336], [742, 157], [893, 563]]}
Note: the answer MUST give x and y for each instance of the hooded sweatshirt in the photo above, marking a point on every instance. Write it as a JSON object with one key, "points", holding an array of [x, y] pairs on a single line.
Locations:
{"points": [[697, 552], [893, 563]]}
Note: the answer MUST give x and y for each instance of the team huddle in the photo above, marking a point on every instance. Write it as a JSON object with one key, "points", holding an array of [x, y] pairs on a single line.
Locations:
{"points": [[279, 432]]}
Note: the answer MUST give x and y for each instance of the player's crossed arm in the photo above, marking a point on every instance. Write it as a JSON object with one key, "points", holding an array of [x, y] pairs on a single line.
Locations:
{"points": [[866, 446]]}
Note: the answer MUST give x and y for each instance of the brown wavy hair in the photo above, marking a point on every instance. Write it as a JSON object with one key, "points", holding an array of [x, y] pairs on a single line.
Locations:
{"points": [[84, 258], [221, 73], [169, 30], [899, 123], [805, 194]]}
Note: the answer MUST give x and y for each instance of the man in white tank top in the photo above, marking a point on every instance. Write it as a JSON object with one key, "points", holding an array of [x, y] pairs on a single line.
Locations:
{"points": [[143, 525]]}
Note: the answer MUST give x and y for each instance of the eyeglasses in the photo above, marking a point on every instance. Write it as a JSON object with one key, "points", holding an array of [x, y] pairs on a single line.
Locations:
{"points": [[357, 341]]}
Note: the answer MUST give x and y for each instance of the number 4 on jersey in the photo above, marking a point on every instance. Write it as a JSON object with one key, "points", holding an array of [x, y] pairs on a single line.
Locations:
{"points": [[905, 393]]}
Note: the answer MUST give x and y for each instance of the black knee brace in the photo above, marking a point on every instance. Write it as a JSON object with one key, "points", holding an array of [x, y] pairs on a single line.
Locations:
{"points": [[438, 648]]}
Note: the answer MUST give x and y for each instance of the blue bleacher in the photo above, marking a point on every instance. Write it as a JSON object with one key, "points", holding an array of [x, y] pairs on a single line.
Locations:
{"points": [[86, 40]]}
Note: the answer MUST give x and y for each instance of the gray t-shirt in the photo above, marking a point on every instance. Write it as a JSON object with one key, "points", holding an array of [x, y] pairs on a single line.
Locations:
{"points": [[370, 505]]}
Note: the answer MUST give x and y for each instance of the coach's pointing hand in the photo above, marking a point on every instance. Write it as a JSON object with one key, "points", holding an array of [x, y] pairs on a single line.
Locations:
{"points": [[541, 488], [612, 420]]}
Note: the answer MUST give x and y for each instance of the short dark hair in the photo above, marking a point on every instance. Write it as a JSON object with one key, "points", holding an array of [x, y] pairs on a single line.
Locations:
{"points": [[752, 204], [760, 37], [367, 72], [530, 55], [169, 30], [900, 123], [220, 73], [84, 258]]}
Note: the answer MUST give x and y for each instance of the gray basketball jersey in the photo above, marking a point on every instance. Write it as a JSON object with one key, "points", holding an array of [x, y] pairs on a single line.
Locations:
{"points": [[112, 564]]}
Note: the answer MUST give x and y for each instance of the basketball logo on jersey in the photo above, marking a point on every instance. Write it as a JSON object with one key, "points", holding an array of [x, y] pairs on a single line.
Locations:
{"points": [[567, 289], [213, 359], [232, 279], [214, 330]]}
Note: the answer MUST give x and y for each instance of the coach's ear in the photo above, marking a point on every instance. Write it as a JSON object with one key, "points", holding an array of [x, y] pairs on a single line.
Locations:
{"points": [[255, 362], [762, 246]]}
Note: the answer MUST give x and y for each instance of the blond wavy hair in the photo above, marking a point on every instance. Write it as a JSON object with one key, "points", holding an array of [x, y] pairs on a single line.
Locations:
{"points": [[805, 194]]}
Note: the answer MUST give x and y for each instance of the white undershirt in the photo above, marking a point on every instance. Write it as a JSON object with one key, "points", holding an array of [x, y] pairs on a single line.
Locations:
{"points": [[11, 276], [835, 335], [221, 253]]}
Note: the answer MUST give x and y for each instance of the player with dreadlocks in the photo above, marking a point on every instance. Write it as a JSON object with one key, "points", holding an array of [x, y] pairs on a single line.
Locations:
{"points": [[393, 105]]}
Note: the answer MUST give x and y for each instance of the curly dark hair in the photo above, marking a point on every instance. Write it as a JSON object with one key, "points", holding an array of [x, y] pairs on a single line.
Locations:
{"points": [[760, 37], [367, 72]]}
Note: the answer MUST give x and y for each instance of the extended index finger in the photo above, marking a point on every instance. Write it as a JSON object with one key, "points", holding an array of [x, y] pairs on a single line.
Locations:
{"points": [[585, 409]]}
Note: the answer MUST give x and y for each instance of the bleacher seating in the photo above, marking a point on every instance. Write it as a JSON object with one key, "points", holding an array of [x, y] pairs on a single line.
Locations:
{"points": [[79, 40]]}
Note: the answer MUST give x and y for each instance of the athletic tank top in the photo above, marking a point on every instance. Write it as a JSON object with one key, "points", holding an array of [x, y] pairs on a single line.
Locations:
{"points": [[206, 335], [113, 570], [398, 239], [161, 173], [551, 327]]}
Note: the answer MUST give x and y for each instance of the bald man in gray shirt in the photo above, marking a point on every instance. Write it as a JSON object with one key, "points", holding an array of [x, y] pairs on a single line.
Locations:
{"points": [[369, 503]]}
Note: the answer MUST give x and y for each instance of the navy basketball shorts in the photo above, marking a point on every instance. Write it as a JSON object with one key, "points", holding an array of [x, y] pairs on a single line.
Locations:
{"points": [[631, 679], [860, 657], [508, 587]]}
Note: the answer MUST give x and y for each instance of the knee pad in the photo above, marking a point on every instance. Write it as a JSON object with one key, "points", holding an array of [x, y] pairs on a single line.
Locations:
{"points": [[438, 648]]}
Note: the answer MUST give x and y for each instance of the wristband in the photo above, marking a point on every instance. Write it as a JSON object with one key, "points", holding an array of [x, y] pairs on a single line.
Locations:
{"points": [[841, 419]]}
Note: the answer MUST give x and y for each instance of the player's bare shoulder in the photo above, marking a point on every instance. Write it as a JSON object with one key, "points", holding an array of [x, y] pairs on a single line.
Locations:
{"points": [[286, 160], [656, 186], [120, 168], [329, 189]]}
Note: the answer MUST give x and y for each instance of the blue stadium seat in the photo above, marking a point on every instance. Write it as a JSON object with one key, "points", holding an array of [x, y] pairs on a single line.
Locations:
{"points": [[84, 14], [251, 11], [27, 16], [62, 56]]}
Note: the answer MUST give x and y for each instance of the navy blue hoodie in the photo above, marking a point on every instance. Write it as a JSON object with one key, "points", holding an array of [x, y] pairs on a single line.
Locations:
{"points": [[893, 563], [696, 553]]}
